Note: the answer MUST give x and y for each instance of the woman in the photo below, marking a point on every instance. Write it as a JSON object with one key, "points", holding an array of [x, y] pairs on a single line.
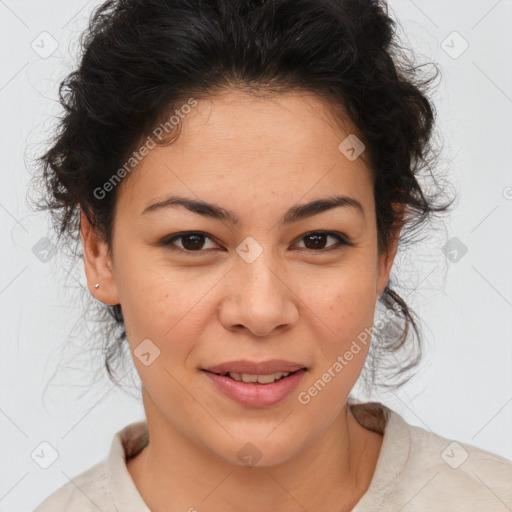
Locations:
{"points": [[240, 174]]}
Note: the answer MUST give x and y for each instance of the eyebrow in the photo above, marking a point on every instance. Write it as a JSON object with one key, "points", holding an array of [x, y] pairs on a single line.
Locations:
{"points": [[294, 214]]}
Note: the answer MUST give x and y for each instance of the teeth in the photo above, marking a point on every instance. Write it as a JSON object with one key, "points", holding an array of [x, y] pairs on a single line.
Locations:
{"points": [[266, 379], [260, 379]]}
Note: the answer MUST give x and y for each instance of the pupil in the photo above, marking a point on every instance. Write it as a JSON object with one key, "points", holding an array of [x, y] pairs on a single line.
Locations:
{"points": [[316, 237], [193, 245]]}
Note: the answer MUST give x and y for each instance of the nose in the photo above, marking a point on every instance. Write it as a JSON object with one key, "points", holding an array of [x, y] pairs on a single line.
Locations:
{"points": [[259, 298]]}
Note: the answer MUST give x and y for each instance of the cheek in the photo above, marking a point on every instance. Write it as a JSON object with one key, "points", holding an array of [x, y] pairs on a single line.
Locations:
{"points": [[164, 305], [344, 302], [344, 308]]}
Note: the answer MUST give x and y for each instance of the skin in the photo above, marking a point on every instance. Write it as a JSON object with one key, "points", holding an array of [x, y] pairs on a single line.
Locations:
{"points": [[256, 157]]}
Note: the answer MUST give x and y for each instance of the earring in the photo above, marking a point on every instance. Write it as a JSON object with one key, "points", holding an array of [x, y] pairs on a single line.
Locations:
{"points": [[97, 285]]}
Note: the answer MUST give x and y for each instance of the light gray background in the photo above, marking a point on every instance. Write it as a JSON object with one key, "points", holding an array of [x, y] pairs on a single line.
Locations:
{"points": [[463, 390]]}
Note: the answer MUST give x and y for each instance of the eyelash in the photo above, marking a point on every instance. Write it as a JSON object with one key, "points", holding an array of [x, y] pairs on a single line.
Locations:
{"points": [[342, 241]]}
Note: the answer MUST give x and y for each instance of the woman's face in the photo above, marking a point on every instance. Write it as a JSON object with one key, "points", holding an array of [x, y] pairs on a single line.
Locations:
{"points": [[276, 285]]}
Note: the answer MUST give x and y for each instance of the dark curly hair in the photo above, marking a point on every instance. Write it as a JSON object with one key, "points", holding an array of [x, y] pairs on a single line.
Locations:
{"points": [[141, 59]]}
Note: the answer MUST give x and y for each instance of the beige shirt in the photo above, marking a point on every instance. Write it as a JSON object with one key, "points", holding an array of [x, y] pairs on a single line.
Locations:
{"points": [[417, 471]]}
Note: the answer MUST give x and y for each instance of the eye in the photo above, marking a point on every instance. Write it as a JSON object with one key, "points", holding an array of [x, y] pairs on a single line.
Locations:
{"points": [[192, 241], [317, 239]]}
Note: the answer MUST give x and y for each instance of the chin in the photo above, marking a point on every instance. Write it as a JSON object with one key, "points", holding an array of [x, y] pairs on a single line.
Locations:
{"points": [[257, 447]]}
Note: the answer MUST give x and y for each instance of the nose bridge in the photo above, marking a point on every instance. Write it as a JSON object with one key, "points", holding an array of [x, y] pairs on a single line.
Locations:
{"points": [[256, 264]]}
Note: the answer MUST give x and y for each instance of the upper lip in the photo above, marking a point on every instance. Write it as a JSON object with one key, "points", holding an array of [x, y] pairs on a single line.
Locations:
{"points": [[254, 368]]}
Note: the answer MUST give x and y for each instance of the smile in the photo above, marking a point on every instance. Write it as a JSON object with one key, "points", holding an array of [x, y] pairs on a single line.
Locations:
{"points": [[256, 390], [251, 378]]}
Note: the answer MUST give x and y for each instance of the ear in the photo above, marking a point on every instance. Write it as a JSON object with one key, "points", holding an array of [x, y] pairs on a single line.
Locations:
{"points": [[97, 263], [386, 259]]}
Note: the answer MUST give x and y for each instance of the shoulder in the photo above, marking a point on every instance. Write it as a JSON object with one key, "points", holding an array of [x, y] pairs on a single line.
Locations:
{"points": [[454, 474], [106, 486], [86, 492], [459, 459], [419, 470]]}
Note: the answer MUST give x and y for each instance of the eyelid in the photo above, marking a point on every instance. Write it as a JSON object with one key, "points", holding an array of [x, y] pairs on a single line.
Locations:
{"points": [[343, 240]]}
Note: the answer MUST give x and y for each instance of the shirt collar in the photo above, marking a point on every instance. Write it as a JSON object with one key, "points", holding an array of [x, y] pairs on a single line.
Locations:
{"points": [[394, 451], [126, 443]]}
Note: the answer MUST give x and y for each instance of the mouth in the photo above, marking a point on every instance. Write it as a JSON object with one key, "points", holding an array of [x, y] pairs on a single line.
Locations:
{"points": [[256, 385], [246, 367], [251, 378]]}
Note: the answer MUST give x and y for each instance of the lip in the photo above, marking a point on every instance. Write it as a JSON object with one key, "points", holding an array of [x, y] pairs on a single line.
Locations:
{"points": [[254, 368], [254, 394]]}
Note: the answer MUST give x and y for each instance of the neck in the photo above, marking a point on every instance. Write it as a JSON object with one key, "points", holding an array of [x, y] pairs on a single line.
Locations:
{"points": [[331, 474]]}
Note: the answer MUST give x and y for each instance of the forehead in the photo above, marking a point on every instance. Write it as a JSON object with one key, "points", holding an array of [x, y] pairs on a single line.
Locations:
{"points": [[236, 148]]}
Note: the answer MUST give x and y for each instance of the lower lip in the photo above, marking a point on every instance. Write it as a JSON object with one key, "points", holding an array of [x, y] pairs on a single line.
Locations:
{"points": [[254, 394]]}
